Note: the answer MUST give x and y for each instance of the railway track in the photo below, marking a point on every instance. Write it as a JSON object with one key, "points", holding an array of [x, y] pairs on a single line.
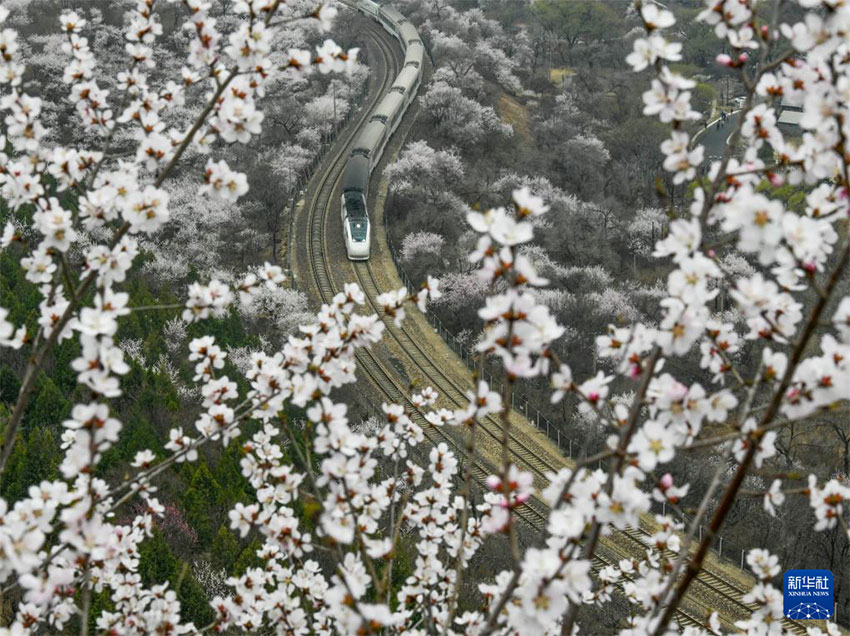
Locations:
{"points": [[320, 209]]}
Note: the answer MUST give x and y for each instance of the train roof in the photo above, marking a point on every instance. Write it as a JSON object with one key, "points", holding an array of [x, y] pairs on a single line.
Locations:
{"points": [[414, 54], [392, 14], [389, 106], [407, 78], [371, 136], [356, 175], [408, 33], [370, 5]]}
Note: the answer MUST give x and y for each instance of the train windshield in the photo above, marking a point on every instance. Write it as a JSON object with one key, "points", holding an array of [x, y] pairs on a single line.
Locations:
{"points": [[359, 229]]}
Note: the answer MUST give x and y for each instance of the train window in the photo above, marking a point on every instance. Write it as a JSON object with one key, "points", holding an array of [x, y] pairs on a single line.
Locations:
{"points": [[359, 229], [355, 206], [363, 152]]}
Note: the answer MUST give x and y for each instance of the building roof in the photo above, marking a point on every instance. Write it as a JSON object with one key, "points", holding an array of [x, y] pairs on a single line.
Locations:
{"points": [[790, 117], [787, 103]]}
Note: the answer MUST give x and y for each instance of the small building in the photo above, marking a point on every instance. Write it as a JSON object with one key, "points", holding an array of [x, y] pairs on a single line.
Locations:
{"points": [[789, 118]]}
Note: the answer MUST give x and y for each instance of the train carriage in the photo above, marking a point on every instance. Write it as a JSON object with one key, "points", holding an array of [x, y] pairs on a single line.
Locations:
{"points": [[356, 175], [408, 35], [370, 143], [407, 83], [392, 20], [370, 8], [389, 110], [414, 55]]}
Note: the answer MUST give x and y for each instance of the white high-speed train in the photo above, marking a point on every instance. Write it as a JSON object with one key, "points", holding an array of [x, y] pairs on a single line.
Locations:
{"points": [[383, 121]]}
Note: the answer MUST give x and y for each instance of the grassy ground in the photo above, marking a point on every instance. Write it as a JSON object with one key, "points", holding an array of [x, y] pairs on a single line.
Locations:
{"points": [[514, 113], [557, 75]]}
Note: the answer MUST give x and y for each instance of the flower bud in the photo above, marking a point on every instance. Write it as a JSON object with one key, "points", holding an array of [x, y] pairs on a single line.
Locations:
{"points": [[775, 180], [493, 482], [723, 60]]}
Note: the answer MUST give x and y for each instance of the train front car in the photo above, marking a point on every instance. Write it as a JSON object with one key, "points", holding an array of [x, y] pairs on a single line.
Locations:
{"points": [[355, 218], [356, 226]]}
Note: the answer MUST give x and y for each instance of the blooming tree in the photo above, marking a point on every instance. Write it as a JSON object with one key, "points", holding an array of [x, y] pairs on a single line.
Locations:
{"points": [[644, 229], [76, 216], [460, 119], [423, 173], [421, 243], [583, 159]]}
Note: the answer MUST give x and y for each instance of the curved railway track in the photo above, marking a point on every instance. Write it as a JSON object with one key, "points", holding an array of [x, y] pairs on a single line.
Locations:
{"points": [[320, 208]]}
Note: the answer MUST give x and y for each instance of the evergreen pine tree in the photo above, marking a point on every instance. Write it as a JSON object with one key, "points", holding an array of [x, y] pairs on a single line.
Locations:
{"points": [[228, 473], [203, 502], [158, 565], [49, 407], [62, 374], [248, 558], [43, 457], [156, 562], [225, 548], [194, 604], [12, 486], [10, 385]]}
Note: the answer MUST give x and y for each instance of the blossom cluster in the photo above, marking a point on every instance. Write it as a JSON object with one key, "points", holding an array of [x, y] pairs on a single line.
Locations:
{"points": [[87, 214]]}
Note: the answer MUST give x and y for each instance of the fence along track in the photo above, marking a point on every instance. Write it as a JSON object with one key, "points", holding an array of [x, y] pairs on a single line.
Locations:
{"points": [[408, 343]]}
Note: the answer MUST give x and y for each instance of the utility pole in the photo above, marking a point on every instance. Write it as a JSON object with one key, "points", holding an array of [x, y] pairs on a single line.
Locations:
{"points": [[333, 86]]}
